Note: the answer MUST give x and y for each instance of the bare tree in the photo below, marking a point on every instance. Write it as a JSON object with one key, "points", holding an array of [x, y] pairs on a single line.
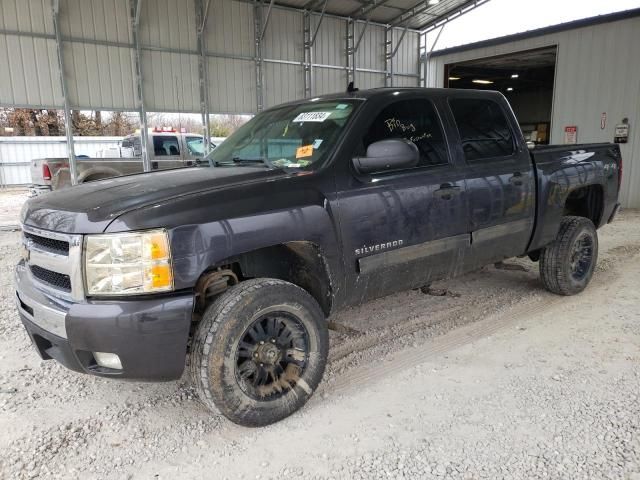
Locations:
{"points": [[25, 121]]}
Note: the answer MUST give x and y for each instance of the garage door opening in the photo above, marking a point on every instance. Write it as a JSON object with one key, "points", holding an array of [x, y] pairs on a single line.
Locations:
{"points": [[525, 78]]}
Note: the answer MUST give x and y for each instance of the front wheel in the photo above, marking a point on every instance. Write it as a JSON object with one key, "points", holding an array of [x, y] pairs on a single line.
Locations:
{"points": [[567, 264], [260, 351]]}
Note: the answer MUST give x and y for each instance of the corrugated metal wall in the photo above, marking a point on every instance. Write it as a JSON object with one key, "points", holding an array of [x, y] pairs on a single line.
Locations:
{"points": [[98, 55], [597, 71], [17, 152]]}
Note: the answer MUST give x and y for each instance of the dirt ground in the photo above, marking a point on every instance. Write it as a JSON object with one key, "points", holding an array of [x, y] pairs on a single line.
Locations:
{"points": [[496, 379]]}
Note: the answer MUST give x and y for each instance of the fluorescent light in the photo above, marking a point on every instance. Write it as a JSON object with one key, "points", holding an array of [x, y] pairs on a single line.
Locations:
{"points": [[482, 82], [433, 2], [509, 89], [454, 78], [515, 75]]}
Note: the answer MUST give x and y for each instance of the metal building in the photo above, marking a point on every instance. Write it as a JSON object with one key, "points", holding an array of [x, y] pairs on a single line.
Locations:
{"points": [[594, 81], [16, 153], [207, 56]]}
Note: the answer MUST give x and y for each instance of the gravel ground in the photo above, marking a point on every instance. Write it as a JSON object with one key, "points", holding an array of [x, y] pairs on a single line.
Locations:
{"points": [[495, 379], [11, 201]]}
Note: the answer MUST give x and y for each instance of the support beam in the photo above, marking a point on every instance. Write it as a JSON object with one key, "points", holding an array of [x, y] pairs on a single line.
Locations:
{"points": [[367, 7], [259, 61], [135, 6], [397, 46], [309, 40], [351, 53], [428, 52], [466, 8], [422, 54], [307, 61], [420, 9], [317, 29], [266, 20], [203, 74], [388, 58], [68, 125]]}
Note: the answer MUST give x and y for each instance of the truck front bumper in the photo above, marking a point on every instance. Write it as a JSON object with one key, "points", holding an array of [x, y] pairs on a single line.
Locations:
{"points": [[149, 335]]}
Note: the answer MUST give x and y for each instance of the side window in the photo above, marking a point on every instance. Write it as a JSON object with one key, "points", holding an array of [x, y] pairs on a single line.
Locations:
{"points": [[137, 147], [165, 145], [483, 128], [415, 120]]}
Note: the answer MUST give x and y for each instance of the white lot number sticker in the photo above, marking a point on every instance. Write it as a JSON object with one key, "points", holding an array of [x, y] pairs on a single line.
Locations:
{"points": [[312, 117]]}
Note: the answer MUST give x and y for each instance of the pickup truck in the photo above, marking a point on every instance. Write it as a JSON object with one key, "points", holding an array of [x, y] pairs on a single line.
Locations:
{"points": [[233, 266], [167, 149]]}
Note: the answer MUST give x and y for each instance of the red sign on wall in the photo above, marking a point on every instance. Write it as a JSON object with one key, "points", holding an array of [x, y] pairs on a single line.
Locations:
{"points": [[571, 134]]}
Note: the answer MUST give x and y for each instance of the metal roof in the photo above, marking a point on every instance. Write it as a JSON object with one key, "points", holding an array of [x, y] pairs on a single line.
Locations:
{"points": [[560, 27], [412, 14]]}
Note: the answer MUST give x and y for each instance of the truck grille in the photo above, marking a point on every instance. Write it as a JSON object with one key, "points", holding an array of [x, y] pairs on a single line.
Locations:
{"points": [[52, 245], [54, 260], [51, 278]]}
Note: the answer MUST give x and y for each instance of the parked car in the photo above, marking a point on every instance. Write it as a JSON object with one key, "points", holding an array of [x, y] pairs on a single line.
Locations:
{"points": [[166, 149], [310, 207]]}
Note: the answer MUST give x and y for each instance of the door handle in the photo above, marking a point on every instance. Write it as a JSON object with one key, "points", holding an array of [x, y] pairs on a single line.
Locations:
{"points": [[447, 191]]}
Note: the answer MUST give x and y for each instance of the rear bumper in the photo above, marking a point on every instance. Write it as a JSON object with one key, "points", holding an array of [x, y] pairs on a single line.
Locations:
{"points": [[149, 335], [35, 190]]}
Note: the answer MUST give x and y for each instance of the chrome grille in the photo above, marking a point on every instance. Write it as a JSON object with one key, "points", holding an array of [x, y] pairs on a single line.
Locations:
{"points": [[54, 260], [53, 279], [52, 245]]}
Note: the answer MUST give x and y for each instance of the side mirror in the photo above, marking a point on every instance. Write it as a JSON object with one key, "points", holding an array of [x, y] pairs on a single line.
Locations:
{"points": [[391, 154]]}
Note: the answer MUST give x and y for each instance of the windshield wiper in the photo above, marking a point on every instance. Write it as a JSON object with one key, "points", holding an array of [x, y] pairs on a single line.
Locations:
{"points": [[249, 160], [235, 161]]}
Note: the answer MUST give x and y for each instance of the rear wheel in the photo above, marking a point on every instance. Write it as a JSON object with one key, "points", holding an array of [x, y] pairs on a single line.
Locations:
{"points": [[260, 351], [567, 264]]}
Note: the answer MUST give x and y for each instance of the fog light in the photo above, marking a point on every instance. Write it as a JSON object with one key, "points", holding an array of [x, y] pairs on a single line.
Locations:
{"points": [[108, 360]]}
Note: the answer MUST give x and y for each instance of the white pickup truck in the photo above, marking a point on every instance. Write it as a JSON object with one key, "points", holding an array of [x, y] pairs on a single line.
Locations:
{"points": [[166, 148]]}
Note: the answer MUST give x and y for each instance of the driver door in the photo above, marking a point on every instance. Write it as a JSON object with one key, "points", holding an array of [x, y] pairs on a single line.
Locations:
{"points": [[402, 229]]}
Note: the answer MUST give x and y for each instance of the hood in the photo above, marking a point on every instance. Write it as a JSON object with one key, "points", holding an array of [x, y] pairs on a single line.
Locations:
{"points": [[89, 208]]}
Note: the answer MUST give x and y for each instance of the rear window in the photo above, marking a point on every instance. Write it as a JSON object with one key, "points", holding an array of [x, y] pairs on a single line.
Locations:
{"points": [[483, 127]]}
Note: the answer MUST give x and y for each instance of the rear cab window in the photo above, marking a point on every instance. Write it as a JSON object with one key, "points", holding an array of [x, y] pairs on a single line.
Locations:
{"points": [[484, 129]]}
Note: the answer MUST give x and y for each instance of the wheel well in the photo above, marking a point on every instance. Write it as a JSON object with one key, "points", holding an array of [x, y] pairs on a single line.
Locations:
{"points": [[301, 263], [586, 202]]}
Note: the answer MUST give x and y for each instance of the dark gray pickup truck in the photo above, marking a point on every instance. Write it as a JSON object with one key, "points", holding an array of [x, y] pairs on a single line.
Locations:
{"points": [[235, 264]]}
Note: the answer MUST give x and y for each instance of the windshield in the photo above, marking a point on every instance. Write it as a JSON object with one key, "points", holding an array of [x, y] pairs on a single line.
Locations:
{"points": [[195, 146], [296, 136]]}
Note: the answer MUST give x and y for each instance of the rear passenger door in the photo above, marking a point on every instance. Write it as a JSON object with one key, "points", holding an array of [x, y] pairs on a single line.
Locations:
{"points": [[166, 152], [499, 177], [402, 228]]}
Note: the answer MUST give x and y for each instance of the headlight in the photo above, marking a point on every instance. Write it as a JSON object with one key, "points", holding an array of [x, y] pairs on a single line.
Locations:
{"points": [[128, 263]]}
